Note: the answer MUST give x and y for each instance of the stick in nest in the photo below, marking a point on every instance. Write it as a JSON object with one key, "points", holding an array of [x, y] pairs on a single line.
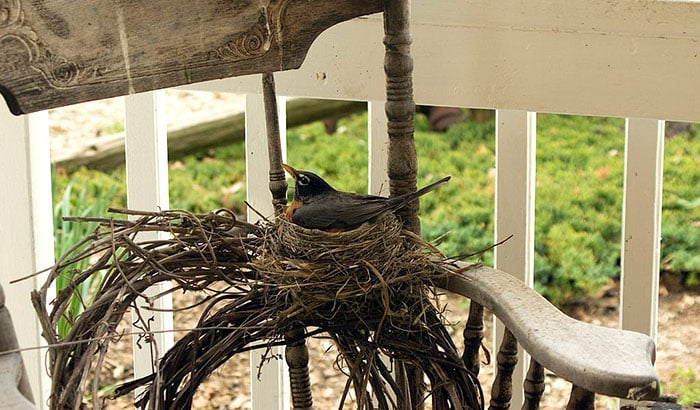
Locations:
{"points": [[369, 289]]}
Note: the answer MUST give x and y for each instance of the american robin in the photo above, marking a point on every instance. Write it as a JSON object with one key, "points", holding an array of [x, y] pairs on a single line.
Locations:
{"points": [[317, 205]]}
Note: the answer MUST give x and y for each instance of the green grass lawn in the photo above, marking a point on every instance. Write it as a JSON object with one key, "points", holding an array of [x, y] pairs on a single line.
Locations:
{"points": [[578, 201]]}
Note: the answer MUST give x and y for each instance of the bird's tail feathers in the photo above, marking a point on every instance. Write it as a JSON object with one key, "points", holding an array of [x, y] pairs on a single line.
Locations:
{"points": [[435, 185], [400, 201]]}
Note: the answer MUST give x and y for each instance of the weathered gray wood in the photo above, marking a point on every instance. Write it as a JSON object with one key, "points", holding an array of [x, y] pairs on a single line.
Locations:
{"points": [[608, 361], [14, 385], [296, 354], [278, 180], [402, 160], [533, 386], [56, 52], [473, 335], [507, 358], [400, 107], [655, 405], [107, 152], [11, 369], [581, 399]]}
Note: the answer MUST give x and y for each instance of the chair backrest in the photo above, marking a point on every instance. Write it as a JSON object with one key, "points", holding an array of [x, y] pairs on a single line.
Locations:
{"points": [[54, 55]]}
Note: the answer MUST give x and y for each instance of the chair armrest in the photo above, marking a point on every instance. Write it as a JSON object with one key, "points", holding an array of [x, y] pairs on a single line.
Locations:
{"points": [[14, 386], [11, 371], [613, 362]]}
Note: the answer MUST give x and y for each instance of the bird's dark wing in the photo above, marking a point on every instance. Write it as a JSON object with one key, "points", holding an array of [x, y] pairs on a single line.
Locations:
{"points": [[342, 210], [339, 211]]}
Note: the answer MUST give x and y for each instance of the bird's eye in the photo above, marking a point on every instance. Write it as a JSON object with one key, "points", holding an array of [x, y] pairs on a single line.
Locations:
{"points": [[303, 179]]}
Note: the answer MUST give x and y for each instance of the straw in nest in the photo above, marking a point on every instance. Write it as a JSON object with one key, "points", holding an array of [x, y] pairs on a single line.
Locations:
{"points": [[369, 290]]}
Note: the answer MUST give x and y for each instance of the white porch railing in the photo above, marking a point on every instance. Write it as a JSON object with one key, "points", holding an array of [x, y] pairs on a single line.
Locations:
{"points": [[629, 58]]}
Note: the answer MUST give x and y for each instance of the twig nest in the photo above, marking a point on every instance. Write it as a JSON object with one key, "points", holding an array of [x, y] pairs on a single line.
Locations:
{"points": [[367, 289], [291, 253], [366, 271], [370, 241]]}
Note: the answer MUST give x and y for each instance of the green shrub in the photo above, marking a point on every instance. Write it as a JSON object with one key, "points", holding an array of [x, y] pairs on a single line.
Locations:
{"points": [[680, 226], [579, 177], [686, 385], [578, 204], [88, 201]]}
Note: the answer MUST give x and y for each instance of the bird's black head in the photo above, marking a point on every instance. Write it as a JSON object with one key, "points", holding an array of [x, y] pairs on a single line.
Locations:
{"points": [[307, 184]]}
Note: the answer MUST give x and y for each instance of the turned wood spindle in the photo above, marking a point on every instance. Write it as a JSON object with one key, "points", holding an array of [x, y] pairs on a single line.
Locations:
{"points": [[502, 390], [581, 399], [296, 351], [278, 180], [533, 386], [400, 107], [402, 160], [473, 335], [297, 356]]}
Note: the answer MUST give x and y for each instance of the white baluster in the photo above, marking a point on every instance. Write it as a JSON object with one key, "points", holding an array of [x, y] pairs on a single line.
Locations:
{"points": [[641, 225], [378, 146], [147, 189], [26, 231], [271, 390], [515, 212]]}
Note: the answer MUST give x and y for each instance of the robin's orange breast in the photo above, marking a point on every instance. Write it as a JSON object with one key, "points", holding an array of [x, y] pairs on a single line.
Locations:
{"points": [[294, 205]]}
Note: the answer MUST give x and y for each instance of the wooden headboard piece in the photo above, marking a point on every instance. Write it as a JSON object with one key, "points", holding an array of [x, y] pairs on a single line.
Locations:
{"points": [[60, 52]]}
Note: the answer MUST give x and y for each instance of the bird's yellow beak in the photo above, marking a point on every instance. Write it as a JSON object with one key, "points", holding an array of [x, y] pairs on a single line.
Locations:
{"points": [[291, 171]]}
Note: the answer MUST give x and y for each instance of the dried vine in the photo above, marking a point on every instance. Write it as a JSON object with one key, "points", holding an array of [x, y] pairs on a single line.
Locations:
{"points": [[369, 290]]}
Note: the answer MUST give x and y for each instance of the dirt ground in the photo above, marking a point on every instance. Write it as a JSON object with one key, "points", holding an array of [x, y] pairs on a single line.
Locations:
{"points": [[678, 348]]}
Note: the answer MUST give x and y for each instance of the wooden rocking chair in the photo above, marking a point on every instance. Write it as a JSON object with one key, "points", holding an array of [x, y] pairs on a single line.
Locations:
{"points": [[52, 57]]}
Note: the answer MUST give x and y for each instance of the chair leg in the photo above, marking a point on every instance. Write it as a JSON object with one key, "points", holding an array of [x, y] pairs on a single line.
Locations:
{"points": [[402, 159], [473, 335], [297, 355], [400, 107], [278, 179], [534, 386], [581, 399], [502, 390]]}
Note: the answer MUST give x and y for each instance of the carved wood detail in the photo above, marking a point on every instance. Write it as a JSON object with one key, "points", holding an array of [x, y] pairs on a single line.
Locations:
{"points": [[63, 72], [254, 42], [297, 356], [55, 53], [400, 107], [32, 49]]}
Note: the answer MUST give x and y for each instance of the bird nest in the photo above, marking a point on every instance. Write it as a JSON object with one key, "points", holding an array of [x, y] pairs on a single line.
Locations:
{"points": [[369, 290]]}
